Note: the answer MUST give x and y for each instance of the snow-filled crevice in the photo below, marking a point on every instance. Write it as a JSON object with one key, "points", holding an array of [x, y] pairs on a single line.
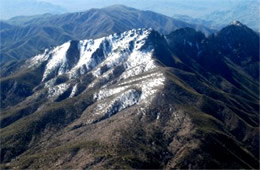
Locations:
{"points": [[86, 61], [56, 91], [148, 85], [125, 100]]}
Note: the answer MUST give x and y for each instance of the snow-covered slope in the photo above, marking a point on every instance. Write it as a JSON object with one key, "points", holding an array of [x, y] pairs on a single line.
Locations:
{"points": [[135, 100], [121, 67], [115, 50]]}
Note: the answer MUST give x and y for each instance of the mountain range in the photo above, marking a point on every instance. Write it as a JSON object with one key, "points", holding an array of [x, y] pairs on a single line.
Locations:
{"points": [[247, 12], [137, 99], [23, 37], [167, 7], [9, 9]]}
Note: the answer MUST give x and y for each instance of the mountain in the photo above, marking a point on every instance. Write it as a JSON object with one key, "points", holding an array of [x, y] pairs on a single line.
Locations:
{"points": [[9, 9], [166, 7], [246, 12], [137, 99], [31, 34], [4, 25], [198, 21]]}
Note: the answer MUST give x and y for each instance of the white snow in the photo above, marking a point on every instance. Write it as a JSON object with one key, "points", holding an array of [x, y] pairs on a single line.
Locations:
{"points": [[85, 63], [50, 83], [125, 100], [102, 77], [38, 58], [138, 62], [121, 46], [57, 61], [237, 23], [74, 89], [106, 92], [57, 90], [119, 50], [158, 116], [148, 85]]}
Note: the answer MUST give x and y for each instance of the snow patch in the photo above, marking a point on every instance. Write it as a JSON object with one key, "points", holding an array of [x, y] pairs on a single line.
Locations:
{"points": [[237, 23], [57, 90], [117, 48], [158, 116], [148, 86], [125, 100], [137, 63], [57, 61], [74, 89], [38, 59], [103, 93], [86, 62]]}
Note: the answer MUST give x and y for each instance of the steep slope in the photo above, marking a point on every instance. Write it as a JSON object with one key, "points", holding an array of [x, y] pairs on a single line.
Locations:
{"points": [[5, 25], [133, 100], [39, 32]]}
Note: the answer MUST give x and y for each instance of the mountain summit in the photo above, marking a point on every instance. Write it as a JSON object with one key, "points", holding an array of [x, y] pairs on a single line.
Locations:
{"points": [[137, 99], [28, 35], [237, 23]]}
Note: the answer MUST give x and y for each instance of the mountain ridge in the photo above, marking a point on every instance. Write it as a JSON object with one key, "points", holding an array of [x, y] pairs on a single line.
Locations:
{"points": [[135, 100], [38, 32], [245, 11], [28, 7]]}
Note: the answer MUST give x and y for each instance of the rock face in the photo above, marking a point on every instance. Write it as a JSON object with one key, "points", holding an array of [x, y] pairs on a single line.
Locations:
{"points": [[137, 99]]}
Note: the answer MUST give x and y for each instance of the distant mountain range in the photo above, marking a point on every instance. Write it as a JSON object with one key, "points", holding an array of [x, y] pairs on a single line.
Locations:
{"points": [[136, 99], [247, 12], [13, 8], [23, 37]]}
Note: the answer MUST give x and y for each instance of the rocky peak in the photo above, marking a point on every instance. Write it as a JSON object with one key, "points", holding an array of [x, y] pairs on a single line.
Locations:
{"points": [[236, 23], [76, 58], [81, 104]]}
